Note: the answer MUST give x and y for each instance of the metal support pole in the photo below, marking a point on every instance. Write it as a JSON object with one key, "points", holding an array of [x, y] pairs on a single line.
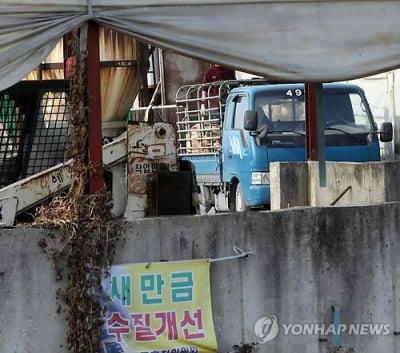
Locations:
{"points": [[315, 122], [311, 121], [336, 323], [142, 57], [96, 178], [162, 76]]}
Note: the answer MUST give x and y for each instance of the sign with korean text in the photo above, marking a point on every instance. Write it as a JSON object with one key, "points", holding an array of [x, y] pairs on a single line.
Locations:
{"points": [[159, 308]]}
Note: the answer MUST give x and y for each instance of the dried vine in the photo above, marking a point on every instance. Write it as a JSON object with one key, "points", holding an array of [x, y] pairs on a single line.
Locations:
{"points": [[88, 233]]}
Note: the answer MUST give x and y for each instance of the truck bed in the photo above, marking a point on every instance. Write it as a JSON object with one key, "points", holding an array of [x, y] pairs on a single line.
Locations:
{"points": [[207, 168]]}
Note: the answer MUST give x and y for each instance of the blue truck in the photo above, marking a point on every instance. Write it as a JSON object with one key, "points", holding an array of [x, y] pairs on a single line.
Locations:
{"points": [[232, 130]]}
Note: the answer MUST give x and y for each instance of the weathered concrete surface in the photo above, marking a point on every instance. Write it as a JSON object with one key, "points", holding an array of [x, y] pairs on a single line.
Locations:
{"points": [[28, 319], [298, 184], [304, 261], [392, 185], [289, 185], [181, 70]]}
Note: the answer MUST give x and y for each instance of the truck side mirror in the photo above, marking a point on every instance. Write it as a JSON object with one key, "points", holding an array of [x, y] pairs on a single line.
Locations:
{"points": [[250, 120], [386, 133]]}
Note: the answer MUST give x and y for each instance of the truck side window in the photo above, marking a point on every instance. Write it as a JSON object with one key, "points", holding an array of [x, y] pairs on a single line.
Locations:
{"points": [[238, 119], [338, 107], [359, 110], [240, 107], [230, 109]]}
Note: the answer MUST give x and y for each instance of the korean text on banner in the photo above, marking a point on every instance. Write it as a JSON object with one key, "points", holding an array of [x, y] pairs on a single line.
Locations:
{"points": [[159, 307]]}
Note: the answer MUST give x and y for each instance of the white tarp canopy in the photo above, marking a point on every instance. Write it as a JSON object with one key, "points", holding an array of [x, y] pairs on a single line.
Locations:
{"points": [[296, 40]]}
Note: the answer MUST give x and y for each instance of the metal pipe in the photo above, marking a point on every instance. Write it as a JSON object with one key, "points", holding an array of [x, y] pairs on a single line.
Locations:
{"points": [[153, 98], [336, 323], [311, 121], [96, 177], [162, 75], [315, 123], [340, 195]]}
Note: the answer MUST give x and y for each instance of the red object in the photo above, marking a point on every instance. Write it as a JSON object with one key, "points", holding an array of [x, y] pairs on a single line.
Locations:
{"points": [[218, 73], [118, 326], [143, 331], [96, 178], [196, 322], [70, 64], [311, 121], [213, 74]]}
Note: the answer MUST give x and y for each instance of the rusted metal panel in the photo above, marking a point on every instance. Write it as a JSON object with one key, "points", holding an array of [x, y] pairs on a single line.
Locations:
{"points": [[311, 121], [96, 177], [150, 148], [170, 194], [30, 191]]}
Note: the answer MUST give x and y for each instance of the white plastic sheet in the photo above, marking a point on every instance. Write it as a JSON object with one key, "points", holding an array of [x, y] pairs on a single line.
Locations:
{"points": [[294, 40]]}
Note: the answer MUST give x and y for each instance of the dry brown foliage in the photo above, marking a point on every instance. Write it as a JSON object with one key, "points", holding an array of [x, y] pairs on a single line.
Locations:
{"points": [[88, 234]]}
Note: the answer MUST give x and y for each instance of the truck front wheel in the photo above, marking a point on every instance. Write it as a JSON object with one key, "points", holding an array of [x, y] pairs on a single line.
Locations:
{"points": [[239, 205]]}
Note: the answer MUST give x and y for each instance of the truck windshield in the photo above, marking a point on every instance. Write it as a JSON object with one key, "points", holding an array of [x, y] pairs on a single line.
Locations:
{"points": [[284, 110]]}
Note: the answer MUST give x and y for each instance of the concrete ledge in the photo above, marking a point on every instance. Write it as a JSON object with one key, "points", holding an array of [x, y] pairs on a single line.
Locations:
{"points": [[298, 184], [305, 261]]}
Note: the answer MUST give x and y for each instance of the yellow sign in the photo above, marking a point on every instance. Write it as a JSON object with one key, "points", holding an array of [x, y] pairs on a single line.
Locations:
{"points": [[162, 307]]}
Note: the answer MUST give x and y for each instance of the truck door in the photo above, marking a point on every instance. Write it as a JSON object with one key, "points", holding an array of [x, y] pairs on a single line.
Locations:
{"points": [[235, 148]]}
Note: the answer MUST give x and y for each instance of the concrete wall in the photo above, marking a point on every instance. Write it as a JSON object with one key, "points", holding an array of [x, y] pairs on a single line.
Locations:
{"points": [[28, 319], [304, 261], [298, 184], [180, 70]]}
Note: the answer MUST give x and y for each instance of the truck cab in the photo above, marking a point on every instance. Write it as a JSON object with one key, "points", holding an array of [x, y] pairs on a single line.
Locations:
{"points": [[264, 123]]}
